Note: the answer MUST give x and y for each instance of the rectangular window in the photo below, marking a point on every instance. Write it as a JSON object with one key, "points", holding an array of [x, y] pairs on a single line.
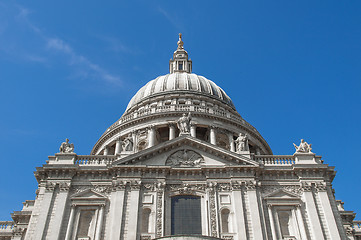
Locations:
{"points": [[186, 215], [180, 66]]}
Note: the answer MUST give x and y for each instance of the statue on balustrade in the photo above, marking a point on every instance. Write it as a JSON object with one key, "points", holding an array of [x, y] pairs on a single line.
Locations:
{"points": [[304, 147], [184, 123], [66, 147], [242, 143], [128, 143]]}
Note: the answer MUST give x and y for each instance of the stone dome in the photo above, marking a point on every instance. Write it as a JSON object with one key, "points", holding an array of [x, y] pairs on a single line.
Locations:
{"points": [[180, 82], [152, 114]]}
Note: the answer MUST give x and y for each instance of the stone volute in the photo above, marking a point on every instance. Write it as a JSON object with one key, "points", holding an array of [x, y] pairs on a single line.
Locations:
{"points": [[152, 114]]}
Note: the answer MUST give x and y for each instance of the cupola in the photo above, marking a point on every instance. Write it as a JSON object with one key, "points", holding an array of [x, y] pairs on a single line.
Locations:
{"points": [[180, 61]]}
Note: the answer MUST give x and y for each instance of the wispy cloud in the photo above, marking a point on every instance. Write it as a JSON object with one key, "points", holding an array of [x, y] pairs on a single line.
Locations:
{"points": [[171, 18], [80, 64], [80, 61]]}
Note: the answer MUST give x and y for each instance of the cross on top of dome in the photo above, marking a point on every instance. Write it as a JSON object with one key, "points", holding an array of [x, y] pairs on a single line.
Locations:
{"points": [[180, 61]]}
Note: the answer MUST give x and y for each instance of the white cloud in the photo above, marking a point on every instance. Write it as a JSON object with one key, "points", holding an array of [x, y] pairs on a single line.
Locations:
{"points": [[79, 64]]}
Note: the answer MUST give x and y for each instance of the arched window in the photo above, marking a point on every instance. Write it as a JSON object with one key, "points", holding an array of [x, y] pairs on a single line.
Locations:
{"points": [[225, 220], [145, 220], [186, 215]]}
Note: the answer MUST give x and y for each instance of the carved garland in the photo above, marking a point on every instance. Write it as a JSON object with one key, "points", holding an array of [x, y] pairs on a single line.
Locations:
{"points": [[213, 212], [160, 192]]}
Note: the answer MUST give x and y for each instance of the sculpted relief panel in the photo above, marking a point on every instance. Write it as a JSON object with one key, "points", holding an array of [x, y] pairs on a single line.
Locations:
{"points": [[185, 158]]}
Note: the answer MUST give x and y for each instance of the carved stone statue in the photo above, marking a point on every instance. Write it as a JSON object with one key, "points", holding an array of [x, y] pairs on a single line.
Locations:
{"points": [[242, 143], [184, 124], [66, 147], [128, 143], [304, 147]]}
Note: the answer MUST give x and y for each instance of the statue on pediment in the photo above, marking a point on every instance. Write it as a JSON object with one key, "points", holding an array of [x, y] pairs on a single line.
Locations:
{"points": [[128, 143], [242, 143], [184, 123], [304, 147], [66, 147]]}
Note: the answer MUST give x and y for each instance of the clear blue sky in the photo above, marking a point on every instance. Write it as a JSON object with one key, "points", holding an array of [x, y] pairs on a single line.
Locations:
{"points": [[69, 68]]}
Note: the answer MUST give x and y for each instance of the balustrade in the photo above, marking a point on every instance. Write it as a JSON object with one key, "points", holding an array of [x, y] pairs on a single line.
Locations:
{"points": [[6, 226], [95, 159], [276, 159]]}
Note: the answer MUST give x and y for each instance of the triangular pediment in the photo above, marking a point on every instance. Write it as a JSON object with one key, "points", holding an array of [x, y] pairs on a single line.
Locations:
{"points": [[88, 194], [186, 151], [281, 194]]}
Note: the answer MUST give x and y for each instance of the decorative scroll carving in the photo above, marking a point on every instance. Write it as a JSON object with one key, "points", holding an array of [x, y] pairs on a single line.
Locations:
{"points": [[119, 185], [224, 187], [186, 188], [149, 187], [104, 189], [135, 185], [160, 192], [50, 186], [320, 187], [64, 186], [212, 208], [304, 147], [185, 158]]}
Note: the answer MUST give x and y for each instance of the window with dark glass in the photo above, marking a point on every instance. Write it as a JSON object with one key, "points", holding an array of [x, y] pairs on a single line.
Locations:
{"points": [[180, 66], [186, 215]]}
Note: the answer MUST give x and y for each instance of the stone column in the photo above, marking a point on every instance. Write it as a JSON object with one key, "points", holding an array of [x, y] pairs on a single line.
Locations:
{"points": [[60, 209], [312, 212], [232, 148], [118, 146], [116, 210], [254, 209], [133, 210], [212, 135], [171, 131], [46, 193], [70, 223], [193, 130], [239, 211], [272, 221], [299, 219], [134, 136], [98, 232], [151, 136], [327, 209], [106, 150]]}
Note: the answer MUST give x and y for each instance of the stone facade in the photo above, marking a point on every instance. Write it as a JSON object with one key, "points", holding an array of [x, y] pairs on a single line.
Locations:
{"points": [[182, 136]]}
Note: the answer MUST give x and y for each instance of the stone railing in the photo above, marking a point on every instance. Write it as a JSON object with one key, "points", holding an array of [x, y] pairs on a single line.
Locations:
{"points": [[275, 159], [89, 160], [181, 108], [6, 226]]}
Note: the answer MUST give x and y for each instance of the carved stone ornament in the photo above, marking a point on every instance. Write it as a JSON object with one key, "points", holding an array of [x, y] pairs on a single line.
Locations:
{"points": [[66, 147], [304, 147], [296, 189], [185, 158], [184, 124], [186, 188]]}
